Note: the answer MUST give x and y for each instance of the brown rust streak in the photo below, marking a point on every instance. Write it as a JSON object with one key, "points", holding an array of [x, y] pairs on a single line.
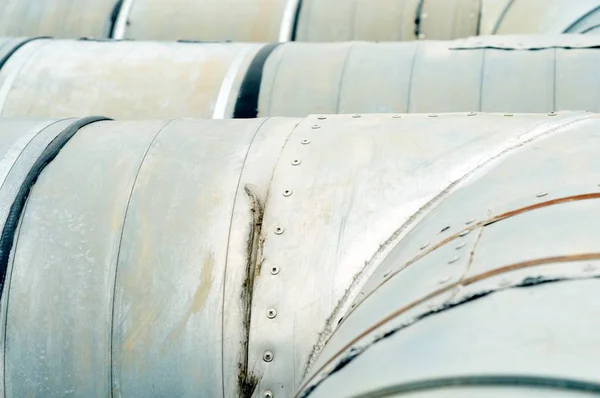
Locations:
{"points": [[247, 381], [466, 282], [480, 224]]}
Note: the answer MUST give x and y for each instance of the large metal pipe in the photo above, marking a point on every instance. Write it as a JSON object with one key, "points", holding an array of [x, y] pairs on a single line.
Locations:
{"points": [[284, 20], [216, 257], [489, 292], [138, 80]]}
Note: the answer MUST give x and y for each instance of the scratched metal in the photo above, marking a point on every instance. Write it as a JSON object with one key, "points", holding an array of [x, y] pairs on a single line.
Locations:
{"points": [[236, 20], [546, 330], [433, 76], [131, 80], [545, 16], [482, 138], [444, 238], [58, 18]]}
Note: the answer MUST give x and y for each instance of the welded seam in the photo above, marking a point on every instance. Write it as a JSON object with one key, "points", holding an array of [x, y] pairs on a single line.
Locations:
{"points": [[481, 80], [479, 17], [555, 85], [226, 89], [255, 206], [274, 82], [502, 16], [363, 272], [594, 27], [342, 74], [119, 27], [537, 382], [121, 233], [354, 352], [289, 21]]}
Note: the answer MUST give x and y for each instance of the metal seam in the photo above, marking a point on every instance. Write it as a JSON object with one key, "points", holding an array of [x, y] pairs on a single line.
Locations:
{"points": [[15, 213], [120, 25], [417, 20], [246, 106], [501, 17], [538, 382], [226, 88], [580, 19], [289, 21], [237, 189], [342, 74], [412, 75], [114, 286], [434, 201], [307, 388]]}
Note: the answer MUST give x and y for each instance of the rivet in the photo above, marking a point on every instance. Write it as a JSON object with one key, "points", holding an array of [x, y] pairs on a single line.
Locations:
{"points": [[279, 230], [433, 115], [268, 394], [396, 116], [287, 192], [460, 245], [424, 245], [589, 268], [551, 113], [274, 270], [464, 233], [471, 221], [356, 116], [321, 117], [471, 113], [271, 313], [296, 162], [508, 114], [453, 260], [443, 280], [305, 142], [268, 356], [541, 194], [315, 126], [421, 35]]}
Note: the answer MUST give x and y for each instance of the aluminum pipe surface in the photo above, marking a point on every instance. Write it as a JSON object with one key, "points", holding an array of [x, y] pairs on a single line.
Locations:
{"points": [[489, 292], [215, 257], [123, 79], [137, 80]]}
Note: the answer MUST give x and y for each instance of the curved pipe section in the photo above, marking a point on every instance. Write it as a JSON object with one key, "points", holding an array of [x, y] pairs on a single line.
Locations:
{"points": [[163, 257], [137, 80]]}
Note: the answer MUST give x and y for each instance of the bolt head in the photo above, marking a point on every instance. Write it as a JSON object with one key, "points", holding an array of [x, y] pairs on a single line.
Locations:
{"points": [[268, 356], [296, 162], [287, 192], [268, 394], [271, 313], [279, 230], [315, 126], [274, 270], [305, 142]]}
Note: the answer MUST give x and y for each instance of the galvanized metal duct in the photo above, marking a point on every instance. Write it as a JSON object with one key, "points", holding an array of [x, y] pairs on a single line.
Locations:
{"points": [[60, 18], [488, 294], [164, 258], [539, 16], [137, 80], [491, 74], [131, 80]]}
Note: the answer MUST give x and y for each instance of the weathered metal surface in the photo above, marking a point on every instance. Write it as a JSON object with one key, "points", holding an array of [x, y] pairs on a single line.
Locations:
{"points": [[237, 20], [59, 18], [478, 74], [131, 80], [165, 257], [542, 16], [482, 247], [384, 20]]}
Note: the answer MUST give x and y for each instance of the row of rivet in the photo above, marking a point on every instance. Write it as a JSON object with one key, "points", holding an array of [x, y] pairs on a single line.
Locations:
{"points": [[269, 356]]}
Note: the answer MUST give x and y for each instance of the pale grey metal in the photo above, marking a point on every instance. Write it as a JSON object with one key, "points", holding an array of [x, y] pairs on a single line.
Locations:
{"points": [[58, 18], [237, 20], [131, 80], [491, 74], [547, 191], [543, 16]]}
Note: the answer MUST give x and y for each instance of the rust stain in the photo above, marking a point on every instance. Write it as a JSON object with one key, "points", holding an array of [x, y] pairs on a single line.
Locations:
{"points": [[469, 281], [199, 299], [480, 224]]}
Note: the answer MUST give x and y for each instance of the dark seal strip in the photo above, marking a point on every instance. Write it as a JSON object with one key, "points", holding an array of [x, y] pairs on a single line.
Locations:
{"points": [[246, 106], [17, 46], [16, 209]]}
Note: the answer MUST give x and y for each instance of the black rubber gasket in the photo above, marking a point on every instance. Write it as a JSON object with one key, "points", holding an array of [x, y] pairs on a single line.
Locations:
{"points": [[246, 106], [9, 54], [16, 209]]}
